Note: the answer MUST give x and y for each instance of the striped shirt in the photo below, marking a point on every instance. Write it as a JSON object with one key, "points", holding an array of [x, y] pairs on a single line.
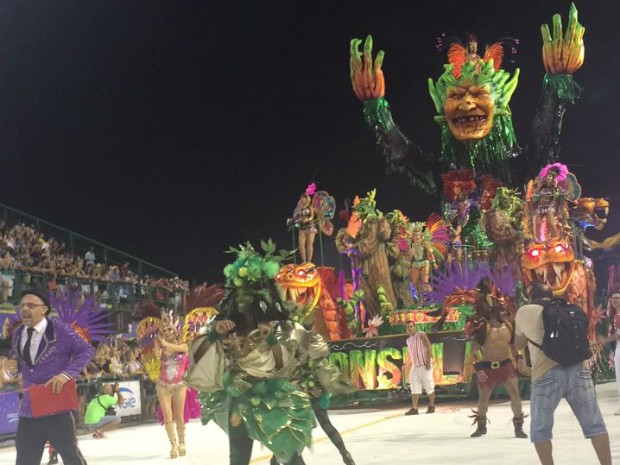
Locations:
{"points": [[418, 352]]}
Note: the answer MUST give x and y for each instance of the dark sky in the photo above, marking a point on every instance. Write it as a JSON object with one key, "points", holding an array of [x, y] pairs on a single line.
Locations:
{"points": [[174, 129]]}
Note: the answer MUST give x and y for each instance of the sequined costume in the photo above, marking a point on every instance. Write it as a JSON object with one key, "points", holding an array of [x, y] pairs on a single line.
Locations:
{"points": [[302, 216], [173, 368], [419, 253]]}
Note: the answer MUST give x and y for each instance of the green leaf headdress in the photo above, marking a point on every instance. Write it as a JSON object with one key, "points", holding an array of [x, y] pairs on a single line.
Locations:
{"points": [[366, 207], [252, 296]]}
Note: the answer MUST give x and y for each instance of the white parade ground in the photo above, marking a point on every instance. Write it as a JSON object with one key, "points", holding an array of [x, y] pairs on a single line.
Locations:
{"points": [[374, 437]]}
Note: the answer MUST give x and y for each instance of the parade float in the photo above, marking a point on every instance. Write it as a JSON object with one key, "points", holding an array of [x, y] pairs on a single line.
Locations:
{"points": [[510, 213]]}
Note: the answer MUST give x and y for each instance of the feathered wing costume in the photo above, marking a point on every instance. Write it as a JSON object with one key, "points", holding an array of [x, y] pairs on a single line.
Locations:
{"points": [[148, 316], [199, 312]]}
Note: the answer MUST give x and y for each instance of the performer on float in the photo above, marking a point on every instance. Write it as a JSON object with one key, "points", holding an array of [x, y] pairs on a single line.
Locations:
{"points": [[304, 219], [502, 220], [243, 364], [366, 237], [399, 255], [458, 185], [548, 202], [427, 247], [472, 100], [493, 330], [312, 215]]}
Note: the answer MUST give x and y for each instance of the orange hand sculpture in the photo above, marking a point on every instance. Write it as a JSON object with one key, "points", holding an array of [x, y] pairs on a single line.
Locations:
{"points": [[563, 54], [366, 77]]}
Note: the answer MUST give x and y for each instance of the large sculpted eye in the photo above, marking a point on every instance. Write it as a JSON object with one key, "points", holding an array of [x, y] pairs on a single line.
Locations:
{"points": [[559, 248], [534, 253]]}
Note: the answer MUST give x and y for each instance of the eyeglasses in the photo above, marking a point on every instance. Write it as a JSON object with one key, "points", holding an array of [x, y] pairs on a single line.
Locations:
{"points": [[30, 306]]}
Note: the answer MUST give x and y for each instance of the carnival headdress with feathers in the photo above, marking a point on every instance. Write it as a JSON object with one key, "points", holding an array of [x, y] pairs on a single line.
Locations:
{"points": [[434, 234], [200, 309], [83, 314]]}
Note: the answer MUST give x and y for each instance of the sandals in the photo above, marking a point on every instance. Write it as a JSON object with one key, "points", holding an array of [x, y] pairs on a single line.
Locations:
{"points": [[98, 434]]}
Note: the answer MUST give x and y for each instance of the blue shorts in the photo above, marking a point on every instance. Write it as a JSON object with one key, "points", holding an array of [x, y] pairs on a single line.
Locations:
{"points": [[573, 383], [104, 421]]}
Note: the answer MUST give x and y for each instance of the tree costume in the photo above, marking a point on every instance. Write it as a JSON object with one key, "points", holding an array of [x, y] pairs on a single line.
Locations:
{"points": [[243, 373], [399, 255], [366, 237]]}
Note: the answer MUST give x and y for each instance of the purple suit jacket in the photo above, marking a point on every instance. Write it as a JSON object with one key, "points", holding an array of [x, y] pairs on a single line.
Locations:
{"points": [[61, 351]]}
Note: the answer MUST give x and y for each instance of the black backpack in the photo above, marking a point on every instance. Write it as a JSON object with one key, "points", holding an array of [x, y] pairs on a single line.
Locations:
{"points": [[566, 333]]}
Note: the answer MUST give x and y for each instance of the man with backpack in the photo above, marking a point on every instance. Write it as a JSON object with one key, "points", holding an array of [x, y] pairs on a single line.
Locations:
{"points": [[545, 327]]}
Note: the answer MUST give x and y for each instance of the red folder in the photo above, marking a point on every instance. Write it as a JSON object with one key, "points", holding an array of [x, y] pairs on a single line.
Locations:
{"points": [[44, 402]]}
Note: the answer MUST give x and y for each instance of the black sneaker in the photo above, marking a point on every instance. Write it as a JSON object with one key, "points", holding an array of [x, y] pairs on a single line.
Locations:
{"points": [[412, 411], [53, 460], [431, 409]]}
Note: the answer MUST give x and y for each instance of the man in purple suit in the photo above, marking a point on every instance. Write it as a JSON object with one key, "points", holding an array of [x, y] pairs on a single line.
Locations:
{"points": [[46, 352]]}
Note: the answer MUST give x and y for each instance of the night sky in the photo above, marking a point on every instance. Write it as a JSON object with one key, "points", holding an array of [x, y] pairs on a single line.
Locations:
{"points": [[172, 130]]}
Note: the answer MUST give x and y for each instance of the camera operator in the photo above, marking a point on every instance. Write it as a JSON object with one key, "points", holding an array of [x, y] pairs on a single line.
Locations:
{"points": [[100, 415]]}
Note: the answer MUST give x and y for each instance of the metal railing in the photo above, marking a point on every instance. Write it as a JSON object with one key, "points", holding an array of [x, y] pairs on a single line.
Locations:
{"points": [[119, 298], [80, 244]]}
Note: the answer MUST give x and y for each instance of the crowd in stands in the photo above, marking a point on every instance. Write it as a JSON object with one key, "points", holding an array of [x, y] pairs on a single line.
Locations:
{"points": [[24, 248], [120, 361]]}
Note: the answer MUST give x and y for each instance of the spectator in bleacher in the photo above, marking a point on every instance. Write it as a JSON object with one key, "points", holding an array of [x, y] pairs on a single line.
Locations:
{"points": [[132, 366], [115, 367], [95, 368], [89, 258]]}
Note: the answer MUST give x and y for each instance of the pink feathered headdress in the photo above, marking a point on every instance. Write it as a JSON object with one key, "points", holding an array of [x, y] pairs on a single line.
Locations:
{"points": [[562, 171], [311, 189]]}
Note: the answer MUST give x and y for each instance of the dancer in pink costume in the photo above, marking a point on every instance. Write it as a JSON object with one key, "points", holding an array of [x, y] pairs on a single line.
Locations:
{"points": [[171, 389]]}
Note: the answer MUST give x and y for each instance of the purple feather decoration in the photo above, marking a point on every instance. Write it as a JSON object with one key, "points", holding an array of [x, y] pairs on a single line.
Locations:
{"points": [[341, 283], [445, 283], [90, 316], [504, 280]]}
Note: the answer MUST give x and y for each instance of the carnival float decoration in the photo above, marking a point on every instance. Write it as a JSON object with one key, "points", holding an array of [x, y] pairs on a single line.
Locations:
{"points": [[492, 229]]}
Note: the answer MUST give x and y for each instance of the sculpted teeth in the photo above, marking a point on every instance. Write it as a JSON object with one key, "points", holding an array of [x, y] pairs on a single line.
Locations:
{"points": [[469, 119]]}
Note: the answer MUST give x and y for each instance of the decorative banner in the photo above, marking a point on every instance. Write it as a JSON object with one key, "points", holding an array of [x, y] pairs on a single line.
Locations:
{"points": [[421, 316], [377, 363], [133, 400], [9, 417]]}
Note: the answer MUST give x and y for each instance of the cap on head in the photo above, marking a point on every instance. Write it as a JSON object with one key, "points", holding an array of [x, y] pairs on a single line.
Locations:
{"points": [[41, 295]]}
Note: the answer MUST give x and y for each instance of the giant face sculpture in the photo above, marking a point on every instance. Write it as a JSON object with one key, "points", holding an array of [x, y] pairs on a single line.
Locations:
{"points": [[469, 100], [552, 263], [469, 110]]}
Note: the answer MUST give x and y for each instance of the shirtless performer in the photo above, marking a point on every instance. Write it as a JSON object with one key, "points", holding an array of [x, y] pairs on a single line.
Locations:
{"points": [[493, 348]]}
